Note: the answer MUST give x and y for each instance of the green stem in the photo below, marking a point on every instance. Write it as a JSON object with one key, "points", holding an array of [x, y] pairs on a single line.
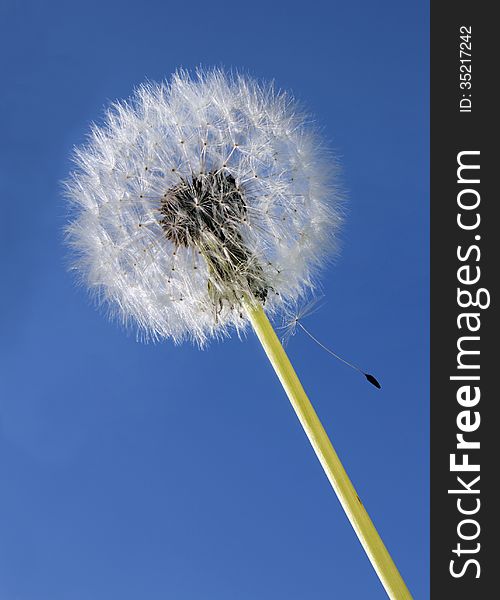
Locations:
{"points": [[354, 509]]}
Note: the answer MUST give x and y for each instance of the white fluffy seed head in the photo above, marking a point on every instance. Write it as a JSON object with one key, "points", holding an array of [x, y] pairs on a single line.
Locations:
{"points": [[196, 193]]}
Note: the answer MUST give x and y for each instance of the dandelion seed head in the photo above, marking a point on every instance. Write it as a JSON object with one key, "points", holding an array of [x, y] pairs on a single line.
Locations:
{"points": [[195, 193]]}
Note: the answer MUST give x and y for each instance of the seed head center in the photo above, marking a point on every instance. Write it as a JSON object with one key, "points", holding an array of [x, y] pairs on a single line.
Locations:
{"points": [[208, 202]]}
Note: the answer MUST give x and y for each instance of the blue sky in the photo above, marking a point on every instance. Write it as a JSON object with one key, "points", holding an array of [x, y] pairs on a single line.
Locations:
{"points": [[139, 471]]}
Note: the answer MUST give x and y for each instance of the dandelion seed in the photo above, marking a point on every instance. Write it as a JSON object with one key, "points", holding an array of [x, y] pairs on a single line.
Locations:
{"points": [[296, 321]]}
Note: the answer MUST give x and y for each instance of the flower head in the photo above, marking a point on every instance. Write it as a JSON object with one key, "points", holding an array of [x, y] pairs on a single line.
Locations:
{"points": [[195, 194]]}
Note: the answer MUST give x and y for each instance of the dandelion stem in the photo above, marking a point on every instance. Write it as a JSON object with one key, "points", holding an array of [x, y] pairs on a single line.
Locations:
{"points": [[354, 509]]}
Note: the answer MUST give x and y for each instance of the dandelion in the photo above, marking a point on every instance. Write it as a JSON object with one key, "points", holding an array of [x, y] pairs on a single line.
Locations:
{"points": [[195, 194], [199, 203]]}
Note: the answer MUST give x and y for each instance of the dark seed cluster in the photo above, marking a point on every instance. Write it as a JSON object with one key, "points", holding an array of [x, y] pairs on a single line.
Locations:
{"points": [[210, 202], [206, 212]]}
